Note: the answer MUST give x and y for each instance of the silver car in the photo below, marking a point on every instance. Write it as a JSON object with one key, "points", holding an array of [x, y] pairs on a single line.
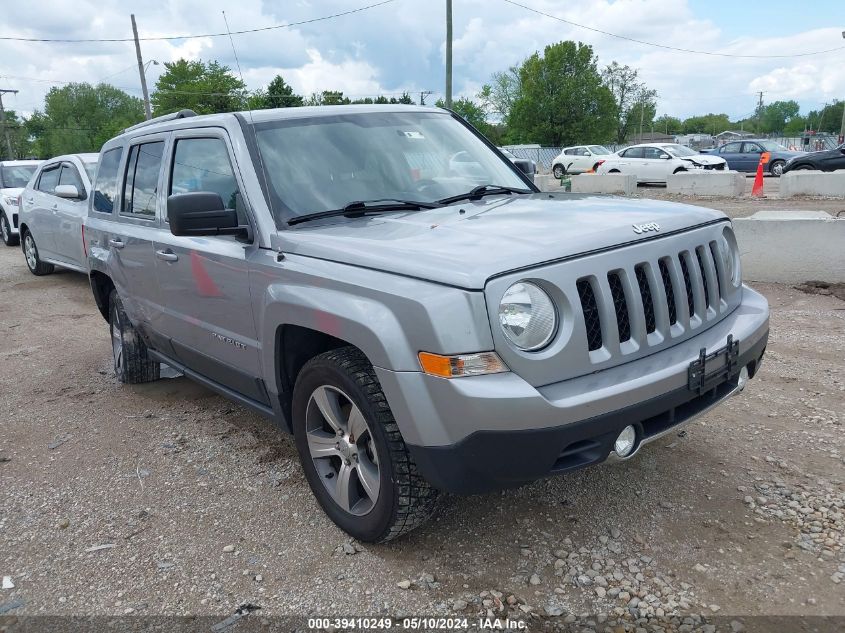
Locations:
{"points": [[415, 329], [53, 204]]}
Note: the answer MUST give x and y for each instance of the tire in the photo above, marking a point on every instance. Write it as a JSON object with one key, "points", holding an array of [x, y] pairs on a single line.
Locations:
{"points": [[558, 171], [776, 168], [367, 449], [132, 364], [6, 232], [33, 261]]}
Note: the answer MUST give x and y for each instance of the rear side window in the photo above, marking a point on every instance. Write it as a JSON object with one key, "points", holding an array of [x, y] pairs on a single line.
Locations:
{"points": [[106, 188], [634, 152], [140, 188], [48, 179], [202, 164]]}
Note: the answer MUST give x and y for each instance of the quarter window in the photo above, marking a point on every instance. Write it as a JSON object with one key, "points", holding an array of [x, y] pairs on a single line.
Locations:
{"points": [[202, 164], [49, 179], [106, 188], [142, 169]]}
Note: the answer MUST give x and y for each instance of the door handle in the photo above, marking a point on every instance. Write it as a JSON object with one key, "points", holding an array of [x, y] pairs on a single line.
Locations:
{"points": [[168, 255], [116, 243]]}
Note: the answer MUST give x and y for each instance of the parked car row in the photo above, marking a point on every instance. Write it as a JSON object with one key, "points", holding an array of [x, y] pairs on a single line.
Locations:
{"points": [[383, 284]]}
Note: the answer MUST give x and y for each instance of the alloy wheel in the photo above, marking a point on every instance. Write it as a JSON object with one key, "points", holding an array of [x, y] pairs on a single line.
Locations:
{"points": [[342, 449], [116, 340], [4, 228], [30, 252]]}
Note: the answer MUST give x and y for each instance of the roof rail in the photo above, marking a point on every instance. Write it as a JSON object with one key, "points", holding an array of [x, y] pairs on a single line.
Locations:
{"points": [[182, 114]]}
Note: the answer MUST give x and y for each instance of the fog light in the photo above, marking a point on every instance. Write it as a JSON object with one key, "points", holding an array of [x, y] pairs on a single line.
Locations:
{"points": [[743, 378], [624, 444]]}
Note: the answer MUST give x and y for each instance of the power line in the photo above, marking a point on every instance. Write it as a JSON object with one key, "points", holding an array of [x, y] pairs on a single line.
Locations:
{"points": [[665, 46], [190, 37]]}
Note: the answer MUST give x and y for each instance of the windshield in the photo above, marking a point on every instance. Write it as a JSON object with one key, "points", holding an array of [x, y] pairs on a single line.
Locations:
{"points": [[679, 150], [599, 149], [90, 169], [325, 162], [16, 175], [771, 146]]}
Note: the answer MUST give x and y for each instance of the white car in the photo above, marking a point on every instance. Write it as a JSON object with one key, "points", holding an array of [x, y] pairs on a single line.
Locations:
{"points": [[14, 174], [578, 159], [653, 162], [52, 207]]}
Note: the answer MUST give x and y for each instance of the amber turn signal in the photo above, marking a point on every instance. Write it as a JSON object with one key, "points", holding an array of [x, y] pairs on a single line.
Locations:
{"points": [[461, 364]]}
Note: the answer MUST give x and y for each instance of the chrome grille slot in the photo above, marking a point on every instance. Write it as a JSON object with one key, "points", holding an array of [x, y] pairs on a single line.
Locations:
{"points": [[704, 274], [670, 292], [687, 284], [620, 306], [591, 314], [714, 252]]}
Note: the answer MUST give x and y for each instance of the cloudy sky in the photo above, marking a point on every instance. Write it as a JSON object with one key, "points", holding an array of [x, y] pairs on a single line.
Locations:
{"points": [[400, 45]]}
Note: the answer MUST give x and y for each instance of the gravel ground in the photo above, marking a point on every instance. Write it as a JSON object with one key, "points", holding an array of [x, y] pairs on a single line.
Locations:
{"points": [[167, 499]]}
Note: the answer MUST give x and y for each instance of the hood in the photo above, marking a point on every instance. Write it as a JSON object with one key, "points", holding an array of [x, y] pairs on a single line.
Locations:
{"points": [[465, 244], [704, 159], [12, 192]]}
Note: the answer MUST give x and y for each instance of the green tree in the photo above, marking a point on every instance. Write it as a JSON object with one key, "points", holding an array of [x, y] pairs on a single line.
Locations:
{"points": [[499, 95], [635, 104], [476, 115], [15, 128], [562, 99], [828, 119], [280, 94], [775, 116], [668, 124], [79, 117], [205, 88], [707, 124]]}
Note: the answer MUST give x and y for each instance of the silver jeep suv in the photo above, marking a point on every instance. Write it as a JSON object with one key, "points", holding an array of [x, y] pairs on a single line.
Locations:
{"points": [[418, 328]]}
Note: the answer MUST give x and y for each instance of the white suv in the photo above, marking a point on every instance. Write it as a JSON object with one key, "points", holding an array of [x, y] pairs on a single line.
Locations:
{"points": [[14, 174]]}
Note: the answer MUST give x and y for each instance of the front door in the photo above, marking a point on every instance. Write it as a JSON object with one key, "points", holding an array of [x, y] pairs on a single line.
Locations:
{"points": [[41, 204], [68, 220], [204, 281], [751, 153]]}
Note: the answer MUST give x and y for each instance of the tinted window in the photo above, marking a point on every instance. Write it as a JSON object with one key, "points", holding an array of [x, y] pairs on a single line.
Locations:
{"points": [[202, 164], [70, 176], [16, 175], [139, 191], [634, 152], [731, 148], [49, 179], [106, 188]]}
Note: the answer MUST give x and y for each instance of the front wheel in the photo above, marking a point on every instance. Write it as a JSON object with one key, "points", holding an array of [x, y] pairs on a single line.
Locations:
{"points": [[33, 262], [776, 168], [132, 364], [352, 452], [6, 231], [558, 171]]}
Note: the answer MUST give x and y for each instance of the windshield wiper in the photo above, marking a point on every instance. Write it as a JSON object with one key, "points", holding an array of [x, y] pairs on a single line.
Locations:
{"points": [[482, 190], [360, 207]]}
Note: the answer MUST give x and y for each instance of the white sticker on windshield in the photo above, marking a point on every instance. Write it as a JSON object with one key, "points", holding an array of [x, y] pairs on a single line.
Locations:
{"points": [[417, 135]]}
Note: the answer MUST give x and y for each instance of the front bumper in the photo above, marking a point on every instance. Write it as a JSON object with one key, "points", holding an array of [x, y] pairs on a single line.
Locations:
{"points": [[484, 433]]}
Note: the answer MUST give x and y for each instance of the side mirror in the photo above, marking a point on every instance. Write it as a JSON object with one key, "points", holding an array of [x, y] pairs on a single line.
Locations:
{"points": [[665, 156], [202, 213], [67, 191], [525, 166]]}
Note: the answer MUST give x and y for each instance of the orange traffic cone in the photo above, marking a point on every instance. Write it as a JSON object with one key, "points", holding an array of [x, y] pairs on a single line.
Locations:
{"points": [[757, 189]]}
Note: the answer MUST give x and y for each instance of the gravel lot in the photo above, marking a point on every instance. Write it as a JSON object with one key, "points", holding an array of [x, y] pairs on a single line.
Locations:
{"points": [[167, 499]]}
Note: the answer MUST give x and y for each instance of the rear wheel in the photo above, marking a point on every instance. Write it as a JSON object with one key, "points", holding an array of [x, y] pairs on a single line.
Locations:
{"points": [[33, 262], [776, 168], [6, 231], [558, 171], [352, 452], [132, 363]]}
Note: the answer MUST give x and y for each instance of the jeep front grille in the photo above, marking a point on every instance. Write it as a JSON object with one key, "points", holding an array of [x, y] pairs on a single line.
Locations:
{"points": [[689, 281]]}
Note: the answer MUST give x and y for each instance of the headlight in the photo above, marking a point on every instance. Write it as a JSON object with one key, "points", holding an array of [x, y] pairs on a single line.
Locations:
{"points": [[527, 316], [12, 202], [730, 257]]}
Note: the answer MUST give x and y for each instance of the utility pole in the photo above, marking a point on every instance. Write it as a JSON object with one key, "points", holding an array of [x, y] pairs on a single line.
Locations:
{"points": [[448, 53], [147, 112], [842, 127], [759, 110], [423, 95], [3, 120]]}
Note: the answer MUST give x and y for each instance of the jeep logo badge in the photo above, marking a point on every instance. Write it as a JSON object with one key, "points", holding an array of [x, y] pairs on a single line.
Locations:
{"points": [[645, 228]]}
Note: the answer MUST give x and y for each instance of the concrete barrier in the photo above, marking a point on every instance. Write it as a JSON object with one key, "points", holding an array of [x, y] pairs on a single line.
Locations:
{"points": [[547, 182], [706, 183], [813, 183], [605, 183], [791, 246]]}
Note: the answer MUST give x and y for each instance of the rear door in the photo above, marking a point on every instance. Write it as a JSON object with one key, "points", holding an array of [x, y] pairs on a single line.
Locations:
{"points": [[732, 153], [68, 219], [41, 205], [204, 281]]}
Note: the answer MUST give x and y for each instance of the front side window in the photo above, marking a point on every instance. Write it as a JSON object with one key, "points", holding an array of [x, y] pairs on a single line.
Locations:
{"points": [[652, 153], [202, 164], [70, 176], [106, 188], [326, 162], [753, 148], [16, 176], [49, 179], [141, 186]]}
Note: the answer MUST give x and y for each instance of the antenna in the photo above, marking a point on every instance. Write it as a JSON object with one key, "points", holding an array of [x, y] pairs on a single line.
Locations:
{"points": [[251, 119]]}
